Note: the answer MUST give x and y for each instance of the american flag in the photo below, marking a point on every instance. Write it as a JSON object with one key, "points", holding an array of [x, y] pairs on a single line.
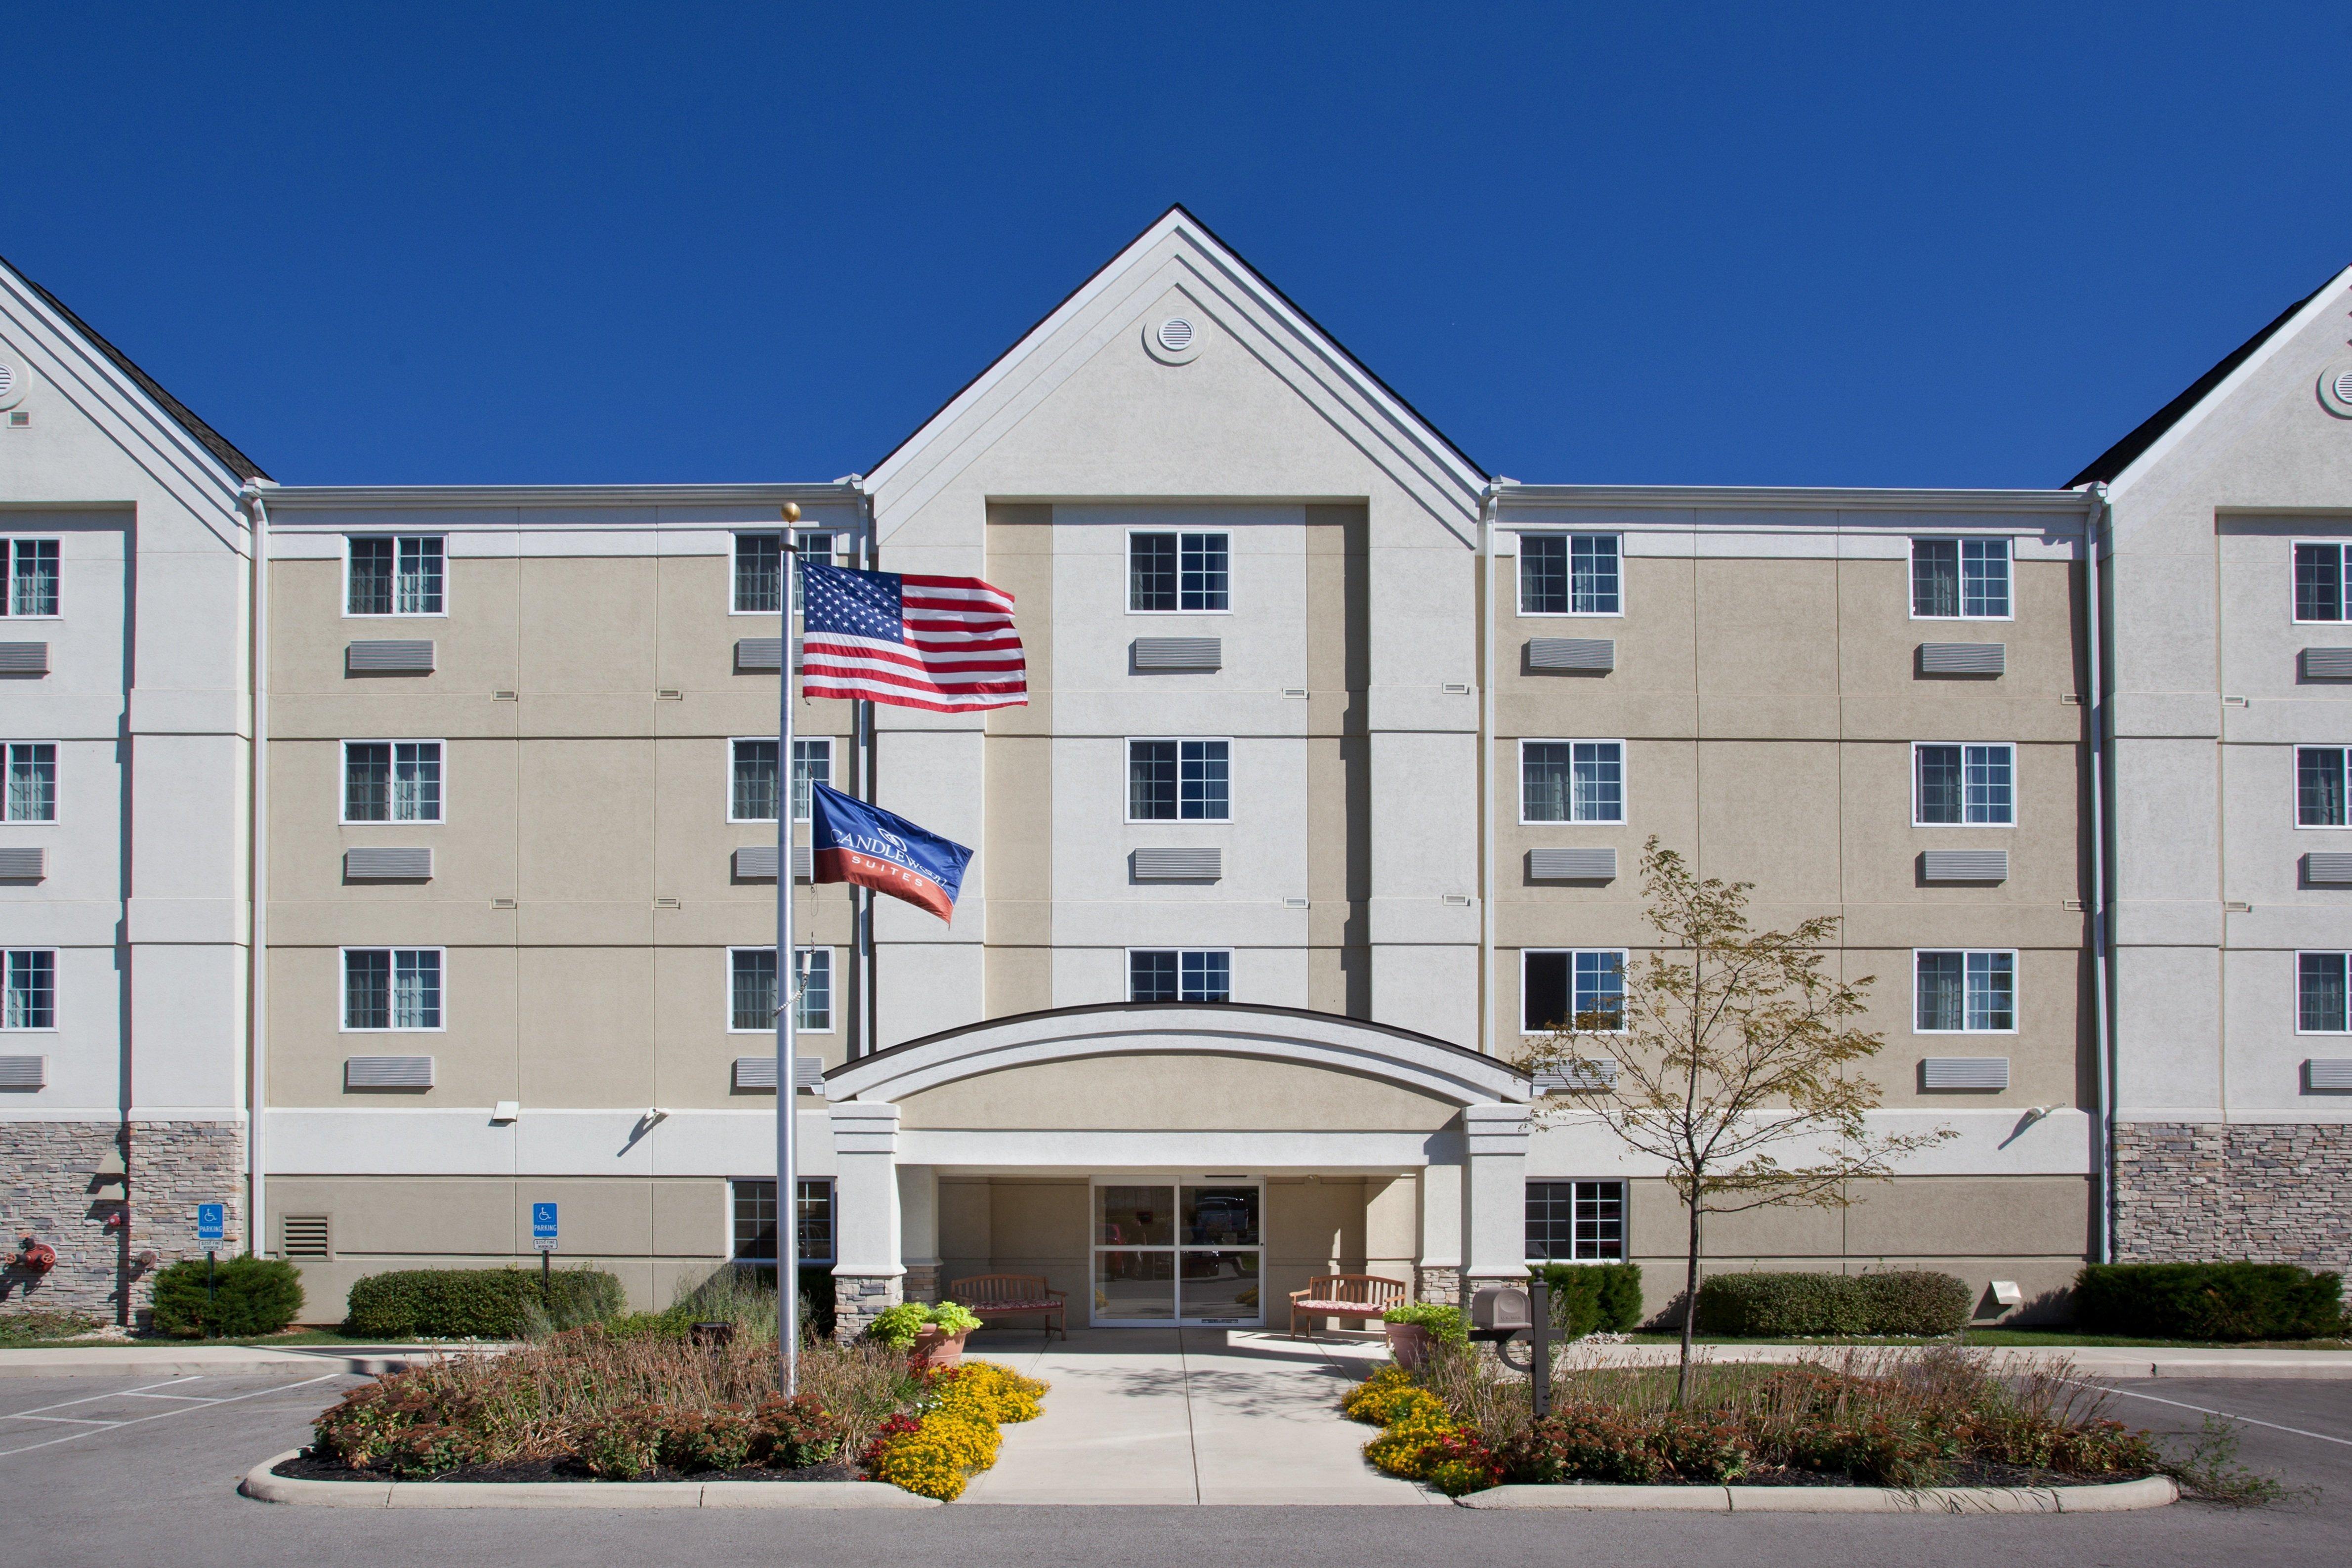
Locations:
{"points": [[943, 643]]}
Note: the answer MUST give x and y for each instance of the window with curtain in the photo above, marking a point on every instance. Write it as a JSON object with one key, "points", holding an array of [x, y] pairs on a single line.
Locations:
{"points": [[1576, 1222], [759, 574], [754, 1203], [1179, 975], [2320, 786], [2322, 996], [2319, 578], [1964, 785], [1966, 993], [1178, 781], [1959, 579], [392, 781], [394, 574], [1572, 781], [1581, 988], [1570, 574], [752, 784], [32, 999], [32, 577], [752, 990], [32, 781], [812, 763], [392, 988]]}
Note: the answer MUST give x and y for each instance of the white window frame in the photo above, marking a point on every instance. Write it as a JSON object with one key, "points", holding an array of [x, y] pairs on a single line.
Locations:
{"points": [[56, 987], [2016, 990], [1127, 782], [8, 576], [793, 782], [1625, 966], [1519, 583], [833, 1213], [783, 778], [1126, 569], [1911, 576], [2294, 612], [1128, 960], [2338, 953], [57, 791], [2294, 785], [395, 613], [1624, 1219], [1625, 781], [344, 781], [343, 988], [833, 989], [2015, 792], [790, 776]]}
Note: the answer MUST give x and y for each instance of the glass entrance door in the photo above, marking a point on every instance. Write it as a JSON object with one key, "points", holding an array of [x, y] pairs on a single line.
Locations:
{"points": [[1178, 1252]]}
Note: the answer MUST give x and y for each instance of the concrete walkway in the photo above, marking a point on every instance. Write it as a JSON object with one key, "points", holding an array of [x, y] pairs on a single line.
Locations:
{"points": [[1187, 1415]]}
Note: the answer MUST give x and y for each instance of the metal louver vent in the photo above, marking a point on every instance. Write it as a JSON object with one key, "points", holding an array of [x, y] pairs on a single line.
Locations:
{"points": [[2343, 388], [23, 863], [2325, 1075], [24, 1072], [2327, 664], [755, 656], [1963, 657], [1964, 1072], [1591, 1075], [1175, 334], [1571, 864], [384, 863], [1964, 864], [756, 863], [1598, 655], [405, 656], [387, 1072], [1180, 653], [1178, 865], [2327, 869], [7, 379], [24, 657], [306, 1235], [758, 1074]]}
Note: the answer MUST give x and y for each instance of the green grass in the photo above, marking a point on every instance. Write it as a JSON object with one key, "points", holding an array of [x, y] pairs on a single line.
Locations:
{"points": [[2022, 1339]]}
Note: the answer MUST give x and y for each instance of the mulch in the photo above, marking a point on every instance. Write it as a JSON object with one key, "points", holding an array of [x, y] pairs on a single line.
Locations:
{"points": [[309, 1466], [1963, 1473]]}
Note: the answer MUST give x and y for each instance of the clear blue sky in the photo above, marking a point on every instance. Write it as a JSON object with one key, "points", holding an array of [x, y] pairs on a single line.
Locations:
{"points": [[1767, 244]]}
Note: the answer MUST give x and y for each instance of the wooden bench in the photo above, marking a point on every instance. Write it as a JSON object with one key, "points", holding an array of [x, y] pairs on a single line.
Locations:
{"points": [[1013, 1295], [1359, 1297]]}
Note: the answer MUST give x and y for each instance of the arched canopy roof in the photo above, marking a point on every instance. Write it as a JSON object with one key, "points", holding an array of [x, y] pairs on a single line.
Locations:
{"points": [[1291, 1035]]}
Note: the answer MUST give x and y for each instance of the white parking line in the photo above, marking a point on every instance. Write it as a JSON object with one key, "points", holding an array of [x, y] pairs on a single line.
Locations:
{"points": [[94, 1398], [2225, 1415], [159, 1415]]}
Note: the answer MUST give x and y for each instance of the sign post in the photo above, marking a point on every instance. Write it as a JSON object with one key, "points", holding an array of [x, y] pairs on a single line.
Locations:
{"points": [[542, 1237], [211, 1228]]}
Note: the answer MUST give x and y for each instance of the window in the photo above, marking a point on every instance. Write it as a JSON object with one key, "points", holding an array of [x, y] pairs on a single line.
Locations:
{"points": [[1172, 974], [32, 782], [1960, 785], [751, 796], [32, 1001], [811, 763], [1571, 781], [2323, 1001], [394, 574], [32, 577], [1959, 579], [760, 591], [755, 1220], [2319, 787], [1576, 1222], [392, 781], [1966, 993], [752, 990], [392, 988], [2319, 574], [1569, 575], [825, 549], [1176, 571], [1584, 989], [1178, 781]]}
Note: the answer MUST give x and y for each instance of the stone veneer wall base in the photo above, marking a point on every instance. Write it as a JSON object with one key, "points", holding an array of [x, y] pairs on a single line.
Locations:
{"points": [[859, 1299], [2229, 1191], [59, 1191]]}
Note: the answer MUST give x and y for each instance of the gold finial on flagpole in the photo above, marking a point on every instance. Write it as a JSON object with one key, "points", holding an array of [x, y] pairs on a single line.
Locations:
{"points": [[792, 510]]}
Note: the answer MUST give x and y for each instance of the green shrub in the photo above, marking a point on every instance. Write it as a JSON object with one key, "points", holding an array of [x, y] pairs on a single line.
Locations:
{"points": [[1444, 1324], [479, 1304], [245, 1296], [898, 1326], [1589, 1297], [33, 1328], [2209, 1301], [1790, 1306]]}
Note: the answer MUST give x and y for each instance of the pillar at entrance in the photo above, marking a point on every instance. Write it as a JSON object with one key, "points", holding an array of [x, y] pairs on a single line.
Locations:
{"points": [[867, 1273], [1494, 1195]]}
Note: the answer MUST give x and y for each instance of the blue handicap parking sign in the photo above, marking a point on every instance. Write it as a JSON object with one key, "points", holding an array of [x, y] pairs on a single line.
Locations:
{"points": [[542, 1221], [212, 1222]]}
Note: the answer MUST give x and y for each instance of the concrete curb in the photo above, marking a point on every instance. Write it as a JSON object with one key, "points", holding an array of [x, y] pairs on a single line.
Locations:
{"points": [[263, 1487], [2087, 1361], [197, 1361], [2155, 1492]]}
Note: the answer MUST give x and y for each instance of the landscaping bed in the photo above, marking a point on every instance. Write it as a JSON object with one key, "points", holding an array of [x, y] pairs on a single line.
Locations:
{"points": [[1947, 1418]]}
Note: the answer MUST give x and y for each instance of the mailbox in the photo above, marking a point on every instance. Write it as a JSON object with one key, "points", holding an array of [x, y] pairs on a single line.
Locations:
{"points": [[1500, 1307]]}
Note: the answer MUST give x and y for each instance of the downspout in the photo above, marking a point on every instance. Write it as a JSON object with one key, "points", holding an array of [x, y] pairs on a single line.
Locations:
{"points": [[2093, 523], [256, 984], [1489, 511]]}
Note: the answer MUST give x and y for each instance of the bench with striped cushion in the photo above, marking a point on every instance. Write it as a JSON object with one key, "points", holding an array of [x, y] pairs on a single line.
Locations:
{"points": [[1013, 1295], [1358, 1297]]}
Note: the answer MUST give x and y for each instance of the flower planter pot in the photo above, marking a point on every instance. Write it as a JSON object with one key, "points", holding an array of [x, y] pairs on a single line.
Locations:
{"points": [[1408, 1343], [938, 1348]]}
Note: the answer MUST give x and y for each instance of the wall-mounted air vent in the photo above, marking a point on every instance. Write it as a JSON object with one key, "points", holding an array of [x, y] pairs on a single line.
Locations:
{"points": [[1964, 864], [24, 658], [1571, 655], [405, 656], [2327, 868], [1591, 1075], [2327, 664], [23, 863], [1180, 653], [1964, 1072], [11, 386], [1175, 334], [1963, 657], [386, 863], [388, 1072], [1571, 864], [306, 1235], [756, 863], [1178, 865], [24, 1072]]}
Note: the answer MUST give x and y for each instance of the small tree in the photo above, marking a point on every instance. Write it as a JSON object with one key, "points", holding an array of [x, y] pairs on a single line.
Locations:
{"points": [[1729, 1044]]}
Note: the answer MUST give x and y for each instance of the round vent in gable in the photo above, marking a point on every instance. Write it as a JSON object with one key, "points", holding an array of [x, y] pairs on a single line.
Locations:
{"points": [[1173, 340], [2335, 391], [12, 385]]}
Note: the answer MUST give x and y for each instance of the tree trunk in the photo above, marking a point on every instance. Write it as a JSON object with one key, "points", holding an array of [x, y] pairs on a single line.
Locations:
{"points": [[1690, 1306]]}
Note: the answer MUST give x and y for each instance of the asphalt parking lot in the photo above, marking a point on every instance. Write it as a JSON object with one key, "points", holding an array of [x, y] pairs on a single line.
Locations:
{"points": [[114, 1470]]}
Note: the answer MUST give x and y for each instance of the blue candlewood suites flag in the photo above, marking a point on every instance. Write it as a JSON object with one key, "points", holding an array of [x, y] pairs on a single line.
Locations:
{"points": [[850, 841]]}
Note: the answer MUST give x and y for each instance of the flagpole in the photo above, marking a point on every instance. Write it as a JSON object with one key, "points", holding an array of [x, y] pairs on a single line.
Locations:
{"points": [[788, 1195]]}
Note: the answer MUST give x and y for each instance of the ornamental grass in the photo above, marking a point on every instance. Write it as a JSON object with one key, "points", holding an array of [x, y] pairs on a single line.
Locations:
{"points": [[1462, 1423]]}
